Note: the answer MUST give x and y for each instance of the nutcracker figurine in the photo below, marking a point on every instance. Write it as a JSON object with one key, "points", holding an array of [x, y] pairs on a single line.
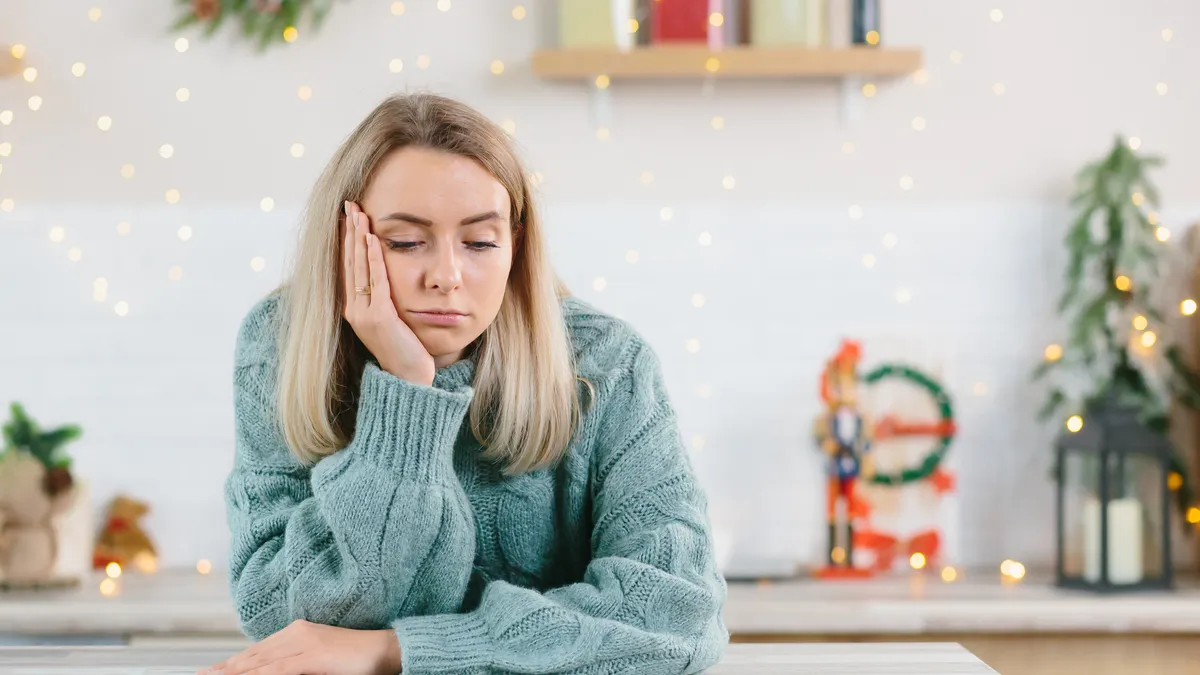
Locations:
{"points": [[844, 434]]}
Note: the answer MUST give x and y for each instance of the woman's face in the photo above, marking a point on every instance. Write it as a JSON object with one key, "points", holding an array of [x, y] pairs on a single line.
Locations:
{"points": [[442, 222]]}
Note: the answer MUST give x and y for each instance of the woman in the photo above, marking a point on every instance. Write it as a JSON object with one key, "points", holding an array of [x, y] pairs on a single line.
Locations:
{"points": [[445, 464]]}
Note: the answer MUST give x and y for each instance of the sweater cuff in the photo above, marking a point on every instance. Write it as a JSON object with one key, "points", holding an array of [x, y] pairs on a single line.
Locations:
{"points": [[406, 428], [456, 643]]}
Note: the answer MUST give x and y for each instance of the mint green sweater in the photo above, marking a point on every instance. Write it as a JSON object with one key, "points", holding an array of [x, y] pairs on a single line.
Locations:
{"points": [[601, 564]]}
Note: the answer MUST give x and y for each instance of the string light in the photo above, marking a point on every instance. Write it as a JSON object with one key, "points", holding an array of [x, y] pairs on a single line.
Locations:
{"points": [[1137, 198], [868, 90], [998, 89], [647, 177], [397, 8], [918, 124], [7, 205], [258, 264], [127, 171], [35, 103], [949, 574], [1174, 481], [603, 134], [632, 257], [185, 232], [1162, 233], [1187, 307], [5, 149], [443, 5], [698, 300], [838, 555], [509, 126], [290, 34], [203, 566], [94, 14], [855, 212], [423, 61], [1193, 515], [716, 19], [1074, 423], [166, 151], [297, 150], [172, 196], [497, 67], [1161, 88], [6, 117], [30, 74], [848, 148], [599, 284], [666, 213], [108, 587], [996, 15], [917, 561], [100, 289], [906, 182], [921, 76], [305, 92], [124, 228], [728, 182], [1149, 338], [1167, 34], [146, 562], [693, 346], [18, 51], [175, 273], [903, 296], [75, 254], [113, 570], [889, 240], [697, 442], [56, 234], [872, 37], [78, 69], [182, 94], [1139, 322], [718, 123], [1053, 352], [1012, 570], [632, 26], [868, 261], [712, 64], [181, 45], [396, 65], [518, 12], [266, 204], [104, 123], [705, 239], [1134, 142], [1122, 283], [956, 57], [121, 308]]}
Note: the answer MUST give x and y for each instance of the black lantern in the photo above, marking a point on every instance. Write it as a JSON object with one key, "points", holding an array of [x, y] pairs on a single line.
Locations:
{"points": [[1113, 528]]}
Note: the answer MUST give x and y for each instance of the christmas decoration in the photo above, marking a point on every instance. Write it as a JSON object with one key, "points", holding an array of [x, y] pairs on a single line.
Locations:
{"points": [[268, 22], [122, 540], [1117, 350], [35, 488], [850, 438]]}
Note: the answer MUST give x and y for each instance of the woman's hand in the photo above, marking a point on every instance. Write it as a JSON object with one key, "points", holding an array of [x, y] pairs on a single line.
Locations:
{"points": [[305, 648], [370, 311]]}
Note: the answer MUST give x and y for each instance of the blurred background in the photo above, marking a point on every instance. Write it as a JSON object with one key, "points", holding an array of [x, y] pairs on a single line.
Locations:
{"points": [[748, 190]]}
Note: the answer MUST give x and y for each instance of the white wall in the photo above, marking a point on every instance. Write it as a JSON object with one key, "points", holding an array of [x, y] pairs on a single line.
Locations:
{"points": [[977, 237]]}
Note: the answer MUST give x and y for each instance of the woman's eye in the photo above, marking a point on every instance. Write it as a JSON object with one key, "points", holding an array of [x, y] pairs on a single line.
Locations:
{"points": [[481, 245], [403, 245]]}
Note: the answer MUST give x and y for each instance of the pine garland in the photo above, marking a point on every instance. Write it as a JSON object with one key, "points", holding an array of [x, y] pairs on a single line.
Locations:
{"points": [[268, 22], [1115, 258]]}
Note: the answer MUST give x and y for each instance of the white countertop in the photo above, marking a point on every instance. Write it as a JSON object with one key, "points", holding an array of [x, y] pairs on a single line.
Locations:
{"points": [[740, 659], [181, 602]]}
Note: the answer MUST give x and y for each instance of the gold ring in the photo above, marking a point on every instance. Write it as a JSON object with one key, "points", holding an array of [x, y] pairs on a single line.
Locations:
{"points": [[362, 290]]}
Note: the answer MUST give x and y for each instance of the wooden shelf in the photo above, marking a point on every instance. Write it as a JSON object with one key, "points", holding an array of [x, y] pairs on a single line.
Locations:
{"points": [[689, 61]]}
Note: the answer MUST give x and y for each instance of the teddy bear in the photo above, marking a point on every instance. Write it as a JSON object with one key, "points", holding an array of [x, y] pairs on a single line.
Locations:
{"points": [[122, 539], [30, 499]]}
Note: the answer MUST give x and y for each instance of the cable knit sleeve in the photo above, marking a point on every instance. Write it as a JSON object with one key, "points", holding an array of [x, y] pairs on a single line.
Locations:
{"points": [[377, 530], [651, 597]]}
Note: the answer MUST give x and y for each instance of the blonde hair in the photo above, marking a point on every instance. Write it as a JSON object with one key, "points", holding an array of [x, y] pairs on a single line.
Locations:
{"points": [[526, 404]]}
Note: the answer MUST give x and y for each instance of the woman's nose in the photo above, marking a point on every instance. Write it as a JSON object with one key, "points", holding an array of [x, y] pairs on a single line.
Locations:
{"points": [[445, 272]]}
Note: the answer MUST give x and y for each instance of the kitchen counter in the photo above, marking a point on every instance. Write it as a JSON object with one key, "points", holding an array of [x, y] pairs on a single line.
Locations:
{"points": [[740, 659], [187, 603]]}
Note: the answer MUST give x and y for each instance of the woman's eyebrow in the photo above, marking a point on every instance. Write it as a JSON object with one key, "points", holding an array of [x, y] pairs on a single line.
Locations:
{"points": [[425, 222]]}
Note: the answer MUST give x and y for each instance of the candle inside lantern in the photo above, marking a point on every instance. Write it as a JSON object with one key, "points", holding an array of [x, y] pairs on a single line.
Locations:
{"points": [[1124, 541]]}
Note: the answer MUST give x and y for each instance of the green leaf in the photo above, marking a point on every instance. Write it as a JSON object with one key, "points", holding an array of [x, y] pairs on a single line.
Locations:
{"points": [[1053, 403]]}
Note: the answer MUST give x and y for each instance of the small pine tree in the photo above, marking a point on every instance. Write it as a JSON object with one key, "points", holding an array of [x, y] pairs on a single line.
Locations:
{"points": [[1117, 345], [22, 433]]}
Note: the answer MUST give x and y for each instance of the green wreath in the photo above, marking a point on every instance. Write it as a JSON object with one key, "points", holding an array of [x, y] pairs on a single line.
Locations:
{"points": [[933, 458], [269, 21]]}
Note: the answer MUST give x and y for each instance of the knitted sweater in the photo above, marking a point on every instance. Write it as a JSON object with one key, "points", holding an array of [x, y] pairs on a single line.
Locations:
{"points": [[600, 564]]}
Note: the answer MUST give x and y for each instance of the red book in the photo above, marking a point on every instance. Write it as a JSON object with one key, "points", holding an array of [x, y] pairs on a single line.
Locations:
{"points": [[680, 20]]}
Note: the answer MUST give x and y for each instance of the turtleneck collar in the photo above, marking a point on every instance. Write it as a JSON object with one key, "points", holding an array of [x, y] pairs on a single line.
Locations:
{"points": [[455, 376]]}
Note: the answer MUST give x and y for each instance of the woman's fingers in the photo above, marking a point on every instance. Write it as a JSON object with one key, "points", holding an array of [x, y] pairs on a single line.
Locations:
{"points": [[362, 274], [378, 273], [292, 665], [348, 257]]}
